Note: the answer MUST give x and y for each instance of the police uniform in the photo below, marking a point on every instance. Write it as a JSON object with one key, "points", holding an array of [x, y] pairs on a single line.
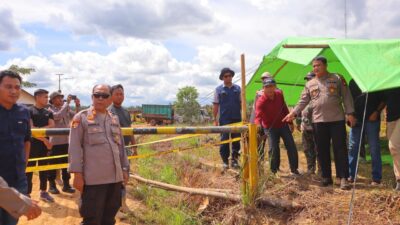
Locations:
{"points": [[327, 94], [229, 101], [62, 119], [96, 149], [12, 201], [308, 138], [15, 131]]}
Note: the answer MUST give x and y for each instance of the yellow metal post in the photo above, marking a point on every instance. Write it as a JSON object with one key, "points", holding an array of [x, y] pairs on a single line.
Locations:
{"points": [[253, 162]]}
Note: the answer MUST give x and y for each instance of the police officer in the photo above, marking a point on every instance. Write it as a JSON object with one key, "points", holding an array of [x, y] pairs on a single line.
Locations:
{"points": [[307, 135], [15, 134], [16, 203], [98, 159], [227, 104], [327, 92], [62, 114]]}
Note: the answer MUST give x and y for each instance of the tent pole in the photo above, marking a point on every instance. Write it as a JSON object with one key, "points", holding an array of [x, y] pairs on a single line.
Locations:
{"points": [[280, 68], [305, 46]]}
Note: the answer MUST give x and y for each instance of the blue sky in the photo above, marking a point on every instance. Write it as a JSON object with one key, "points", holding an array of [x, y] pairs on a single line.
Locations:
{"points": [[154, 48]]}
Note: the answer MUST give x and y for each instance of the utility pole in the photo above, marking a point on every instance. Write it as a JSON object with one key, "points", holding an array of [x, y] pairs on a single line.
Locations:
{"points": [[345, 19], [59, 81]]}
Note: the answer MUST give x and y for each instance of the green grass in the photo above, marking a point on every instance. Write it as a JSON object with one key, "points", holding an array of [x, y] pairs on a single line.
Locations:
{"points": [[163, 207]]}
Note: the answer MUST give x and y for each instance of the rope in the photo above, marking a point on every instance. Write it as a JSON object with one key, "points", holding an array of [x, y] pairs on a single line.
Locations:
{"points": [[358, 160]]}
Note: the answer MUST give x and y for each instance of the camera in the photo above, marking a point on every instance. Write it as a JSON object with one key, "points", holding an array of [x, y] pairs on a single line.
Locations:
{"points": [[73, 97]]}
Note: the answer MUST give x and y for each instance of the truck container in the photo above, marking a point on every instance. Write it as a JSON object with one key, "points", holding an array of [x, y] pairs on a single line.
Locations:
{"points": [[157, 114]]}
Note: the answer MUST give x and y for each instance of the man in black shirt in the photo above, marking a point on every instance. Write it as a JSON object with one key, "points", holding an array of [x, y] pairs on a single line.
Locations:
{"points": [[375, 104], [393, 129], [40, 118]]}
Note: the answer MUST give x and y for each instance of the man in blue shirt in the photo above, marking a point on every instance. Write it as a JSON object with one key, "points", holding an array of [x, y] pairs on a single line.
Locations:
{"points": [[15, 136], [227, 104]]}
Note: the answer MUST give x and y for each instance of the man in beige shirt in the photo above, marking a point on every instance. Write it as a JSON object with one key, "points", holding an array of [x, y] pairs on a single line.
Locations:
{"points": [[16, 203], [97, 159], [331, 101]]}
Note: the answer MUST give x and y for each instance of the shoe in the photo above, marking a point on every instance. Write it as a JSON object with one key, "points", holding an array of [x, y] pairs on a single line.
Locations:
{"points": [[275, 174], [363, 160], [326, 182], [343, 184], [53, 190], [397, 186], [375, 183], [68, 189], [225, 166], [295, 173], [350, 180], [46, 197], [235, 165]]}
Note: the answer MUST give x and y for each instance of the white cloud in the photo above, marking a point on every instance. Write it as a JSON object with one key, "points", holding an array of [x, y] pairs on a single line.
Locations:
{"points": [[147, 70], [9, 30]]}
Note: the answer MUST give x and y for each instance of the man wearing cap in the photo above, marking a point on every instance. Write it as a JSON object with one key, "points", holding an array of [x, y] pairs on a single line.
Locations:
{"points": [[328, 93], [226, 110], [97, 159], [41, 146], [270, 110], [15, 134], [62, 114], [307, 134], [264, 76]]}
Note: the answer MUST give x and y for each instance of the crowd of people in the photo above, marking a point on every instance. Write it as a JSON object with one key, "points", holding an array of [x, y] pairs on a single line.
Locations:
{"points": [[326, 105], [98, 159], [96, 151]]}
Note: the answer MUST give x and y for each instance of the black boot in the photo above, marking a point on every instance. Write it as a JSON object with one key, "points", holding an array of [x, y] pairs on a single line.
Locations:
{"points": [[67, 188], [53, 188]]}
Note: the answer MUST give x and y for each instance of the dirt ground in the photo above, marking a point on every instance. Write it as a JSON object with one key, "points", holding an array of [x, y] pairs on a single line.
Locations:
{"points": [[65, 208], [372, 205]]}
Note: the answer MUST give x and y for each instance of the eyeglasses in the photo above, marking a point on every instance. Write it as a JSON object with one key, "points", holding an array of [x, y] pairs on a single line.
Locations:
{"points": [[226, 76], [101, 95]]}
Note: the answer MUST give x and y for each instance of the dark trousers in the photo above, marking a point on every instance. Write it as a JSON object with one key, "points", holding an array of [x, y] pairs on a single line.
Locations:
{"points": [[100, 203], [325, 132], [59, 150], [274, 135], [38, 150], [310, 149], [224, 150]]}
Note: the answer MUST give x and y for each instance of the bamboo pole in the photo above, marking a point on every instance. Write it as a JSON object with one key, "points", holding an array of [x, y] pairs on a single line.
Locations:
{"points": [[253, 168], [304, 46], [274, 202], [245, 155]]}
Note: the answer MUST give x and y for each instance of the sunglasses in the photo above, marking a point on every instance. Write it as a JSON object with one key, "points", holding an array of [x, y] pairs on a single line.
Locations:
{"points": [[226, 76], [101, 95]]}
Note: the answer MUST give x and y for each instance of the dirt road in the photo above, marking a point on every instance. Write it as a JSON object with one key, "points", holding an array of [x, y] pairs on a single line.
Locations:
{"points": [[65, 209]]}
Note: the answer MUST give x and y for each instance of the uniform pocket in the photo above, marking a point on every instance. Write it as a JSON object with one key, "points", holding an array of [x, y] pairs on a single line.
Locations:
{"points": [[96, 135], [314, 92]]}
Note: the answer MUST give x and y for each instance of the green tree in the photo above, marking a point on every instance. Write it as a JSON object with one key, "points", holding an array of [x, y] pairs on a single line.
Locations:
{"points": [[186, 104], [23, 71]]}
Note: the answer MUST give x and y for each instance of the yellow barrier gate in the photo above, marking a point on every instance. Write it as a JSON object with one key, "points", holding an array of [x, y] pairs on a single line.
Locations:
{"points": [[249, 155]]}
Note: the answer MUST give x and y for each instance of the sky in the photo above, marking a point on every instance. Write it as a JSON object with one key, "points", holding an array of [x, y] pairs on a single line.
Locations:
{"points": [[153, 48]]}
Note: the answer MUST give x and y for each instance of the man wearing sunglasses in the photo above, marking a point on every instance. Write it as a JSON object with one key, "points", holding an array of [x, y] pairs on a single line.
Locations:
{"points": [[97, 159], [227, 104]]}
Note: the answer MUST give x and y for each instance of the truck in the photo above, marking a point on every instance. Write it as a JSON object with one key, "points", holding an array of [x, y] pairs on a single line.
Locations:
{"points": [[157, 114]]}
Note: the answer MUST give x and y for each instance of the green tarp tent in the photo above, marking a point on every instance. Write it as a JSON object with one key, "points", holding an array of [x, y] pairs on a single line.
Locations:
{"points": [[373, 64]]}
